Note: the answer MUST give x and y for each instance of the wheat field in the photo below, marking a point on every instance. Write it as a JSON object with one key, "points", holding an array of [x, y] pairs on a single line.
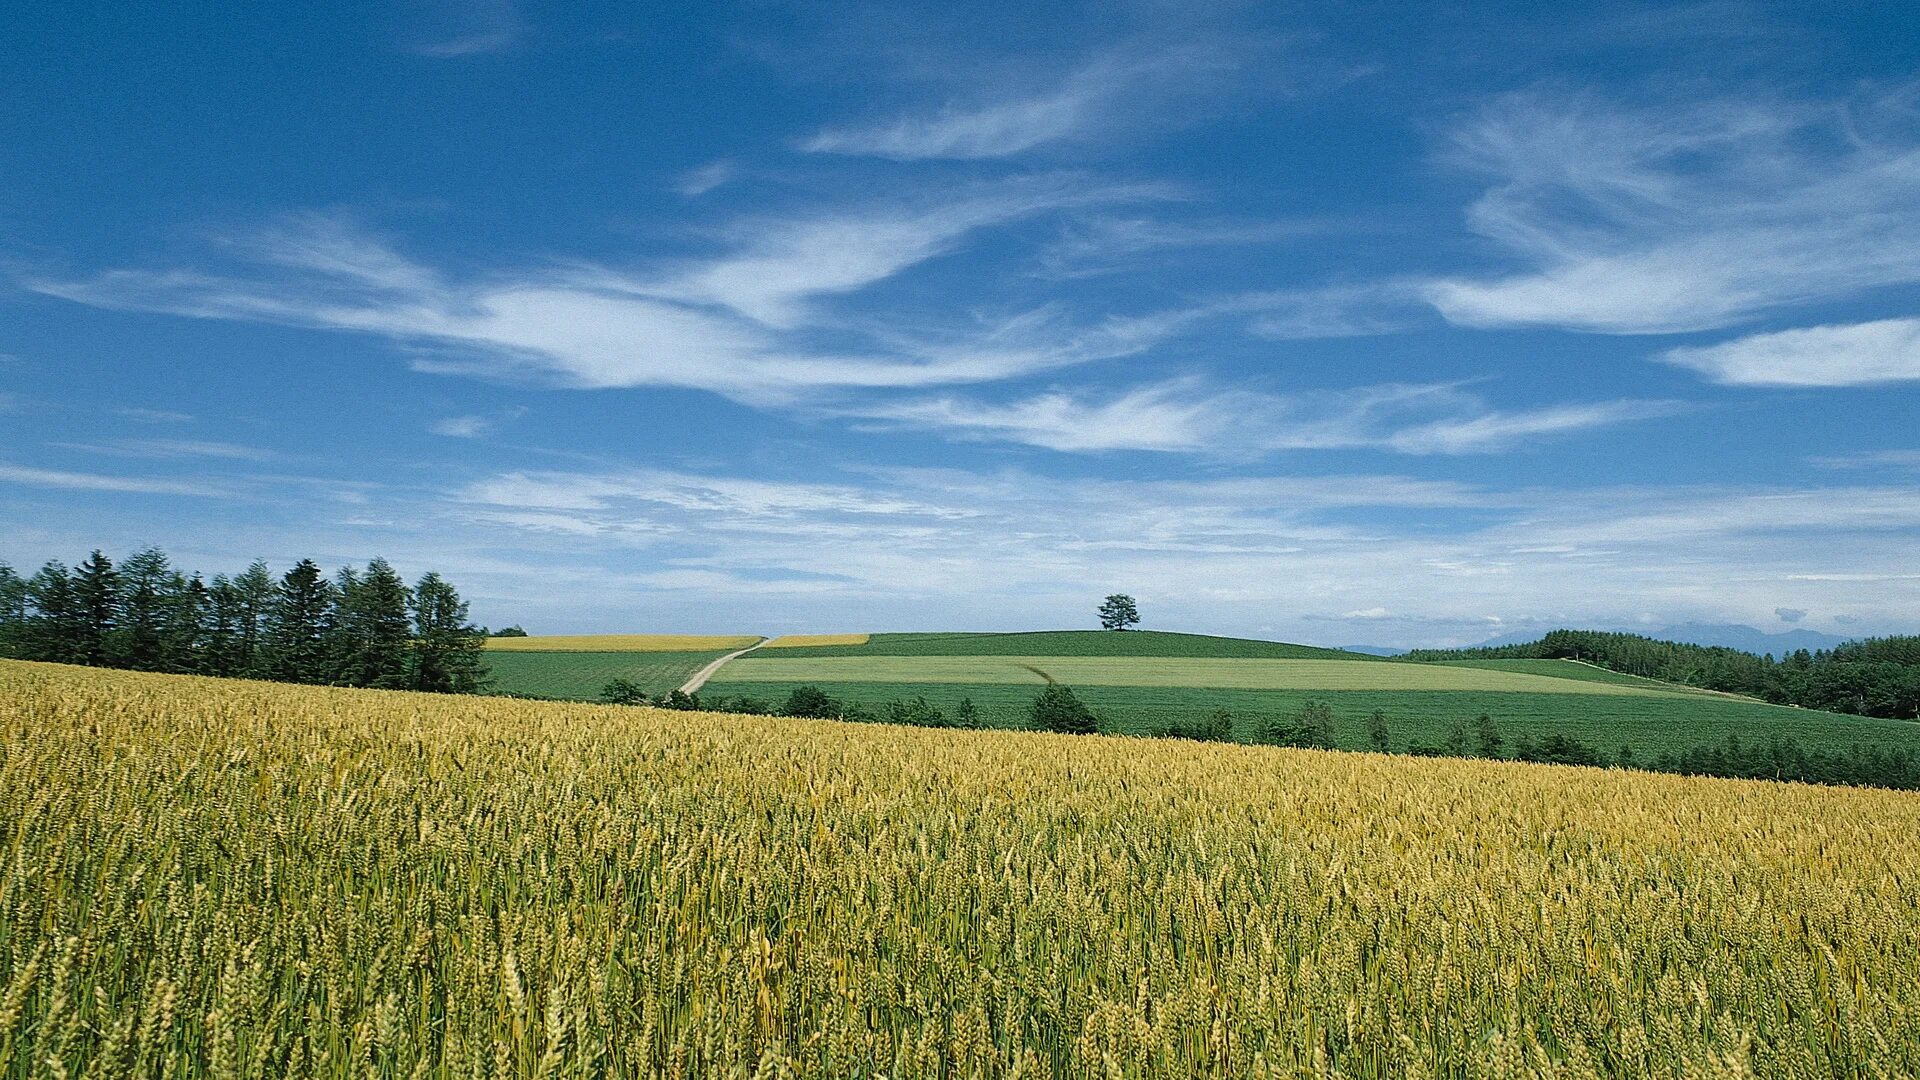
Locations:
{"points": [[622, 643], [238, 879]]}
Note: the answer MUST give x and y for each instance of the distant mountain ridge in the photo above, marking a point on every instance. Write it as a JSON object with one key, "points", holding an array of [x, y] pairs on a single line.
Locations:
{"points": [[1725, 635]]}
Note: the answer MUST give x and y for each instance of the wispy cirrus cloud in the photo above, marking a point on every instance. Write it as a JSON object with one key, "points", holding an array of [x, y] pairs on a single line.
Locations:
{"points": [[173, 448], [1190, 416], [1143, 83], [1670, 217], [740, 323], [449, 29], [79, 481], [1858, 354]]}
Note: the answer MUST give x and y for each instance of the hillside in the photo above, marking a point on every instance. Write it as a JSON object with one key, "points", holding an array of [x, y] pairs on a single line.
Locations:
{"points": [[1145, 683], [1076, 643], [393, 883]]}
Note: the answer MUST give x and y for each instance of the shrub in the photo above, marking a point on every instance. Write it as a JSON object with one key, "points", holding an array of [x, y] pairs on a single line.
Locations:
{"points": [[1056, 709], [916, 712], [811, 701], [624, 692], [1311, 728]]}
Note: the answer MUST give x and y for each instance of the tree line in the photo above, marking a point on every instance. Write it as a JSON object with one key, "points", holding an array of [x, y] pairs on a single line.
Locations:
{"points": [[1870, 677], [361, 627]]}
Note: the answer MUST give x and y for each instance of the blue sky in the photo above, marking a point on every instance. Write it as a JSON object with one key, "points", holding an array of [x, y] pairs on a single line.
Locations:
{"points": [[1338, 323]]}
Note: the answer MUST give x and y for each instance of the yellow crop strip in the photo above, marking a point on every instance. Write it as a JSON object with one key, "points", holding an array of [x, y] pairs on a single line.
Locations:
{"points": [[222, 878], [802, 641], [623, 643]]}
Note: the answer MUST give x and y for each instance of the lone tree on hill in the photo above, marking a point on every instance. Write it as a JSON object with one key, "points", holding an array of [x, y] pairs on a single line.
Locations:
{"points": [[1118, 612]]}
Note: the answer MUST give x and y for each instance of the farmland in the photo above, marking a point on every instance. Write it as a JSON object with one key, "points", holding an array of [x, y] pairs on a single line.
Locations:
{"points": [[1140, 682], [607, 643], [234, 878], [578, 667]]}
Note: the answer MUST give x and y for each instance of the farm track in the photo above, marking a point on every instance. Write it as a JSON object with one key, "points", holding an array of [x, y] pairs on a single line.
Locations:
{"points": [[693, 685]]}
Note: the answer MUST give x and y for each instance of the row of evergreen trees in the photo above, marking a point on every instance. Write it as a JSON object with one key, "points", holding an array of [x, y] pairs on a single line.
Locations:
{"points": [[1870, 677], [359, 628]]}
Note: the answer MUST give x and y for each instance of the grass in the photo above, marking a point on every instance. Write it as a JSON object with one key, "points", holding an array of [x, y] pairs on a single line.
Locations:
{"points": [[581, 676], [1650, 723], [1081, 643], [1569, 669], [223, 878], [814, 641], [1188, 671], [605, 643]]}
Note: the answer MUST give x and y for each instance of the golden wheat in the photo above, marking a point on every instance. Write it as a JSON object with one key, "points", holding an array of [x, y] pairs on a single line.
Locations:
{"points": [[808, 641], [240, 879], [622, 643]]}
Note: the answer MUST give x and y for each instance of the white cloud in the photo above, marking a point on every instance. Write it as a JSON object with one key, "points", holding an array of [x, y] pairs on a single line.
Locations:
{"points": [[457, 28], [1860, 354], [1012, 549], [1145, 83], [1187, 415], [173, 448], [1672, 217], [461, 427], [738, 324], [697, 182], [74, 481]]}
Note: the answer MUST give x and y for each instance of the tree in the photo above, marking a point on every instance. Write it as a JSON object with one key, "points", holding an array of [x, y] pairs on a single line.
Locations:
{"points": [[298, 626], [510, 631], [1377, 733], [1457, 739], [1310, 728], [254, 594], [1488, 733], [56, 630], [13, 611], [916, 712], [374, 631], [624, 692], [446, 647], [148, 633], [966, 714], [221, 628], [1118, 612], [812, 702], [96, 594], [1056, 709]]}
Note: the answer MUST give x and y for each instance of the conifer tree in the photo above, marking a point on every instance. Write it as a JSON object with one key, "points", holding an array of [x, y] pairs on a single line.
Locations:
{"points": [[297, 626], [96, 596], [446, 647]]}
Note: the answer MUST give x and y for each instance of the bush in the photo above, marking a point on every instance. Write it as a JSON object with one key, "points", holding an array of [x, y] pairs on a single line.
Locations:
{"points": [[1310, 728], [1216, 727], [624, 692], [680, 699], [1558, 750], [813, 702], [1056, 709], [1377, 733], [1489, 736], [916, 712], [965, 714]]}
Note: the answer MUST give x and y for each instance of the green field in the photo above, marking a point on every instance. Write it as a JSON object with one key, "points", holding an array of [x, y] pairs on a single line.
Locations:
{"points": [[1075, 643], [1569, 669], [1182, 671], [1142, 682], [1649, 723], [582, 675]]}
